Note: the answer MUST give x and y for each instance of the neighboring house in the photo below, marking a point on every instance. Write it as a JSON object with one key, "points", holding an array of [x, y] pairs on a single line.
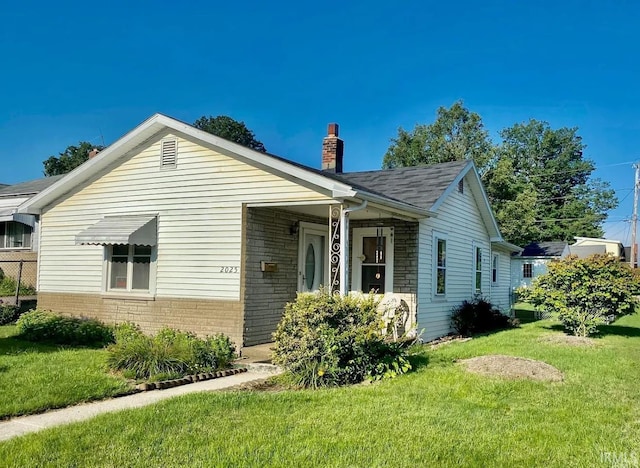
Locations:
{"points": [[533, 260], [18, 232], [586, 246], [174, 226]]}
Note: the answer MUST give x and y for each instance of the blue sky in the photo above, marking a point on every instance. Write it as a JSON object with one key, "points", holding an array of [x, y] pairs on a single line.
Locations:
{"points": [[75, 71]]}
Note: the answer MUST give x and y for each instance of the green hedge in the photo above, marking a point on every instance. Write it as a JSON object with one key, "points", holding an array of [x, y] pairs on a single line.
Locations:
{"points": [[40, 326]]}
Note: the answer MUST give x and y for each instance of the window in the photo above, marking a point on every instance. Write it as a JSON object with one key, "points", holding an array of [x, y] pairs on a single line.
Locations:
{"points": [[527, 270], [478, 270], [494, 269], [441, 266], [15, 235], [129, 267]]}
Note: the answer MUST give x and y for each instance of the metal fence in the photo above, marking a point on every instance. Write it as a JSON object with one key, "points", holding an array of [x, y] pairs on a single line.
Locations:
{"points": [[17, 280]]}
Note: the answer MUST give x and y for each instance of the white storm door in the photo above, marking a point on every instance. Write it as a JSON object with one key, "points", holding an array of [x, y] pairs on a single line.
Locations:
{"points": [[312, 257], [372, 260]]}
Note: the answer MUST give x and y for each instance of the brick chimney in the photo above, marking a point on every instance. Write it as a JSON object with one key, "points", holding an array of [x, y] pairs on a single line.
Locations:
{"points": [[93, 153], [332, 150]]}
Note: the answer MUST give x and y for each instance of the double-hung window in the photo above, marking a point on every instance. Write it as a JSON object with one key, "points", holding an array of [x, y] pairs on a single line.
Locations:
{"points": [[527, 270], [129, 267], [441, 266], [477, 281], [14, 235], [494, 269]]}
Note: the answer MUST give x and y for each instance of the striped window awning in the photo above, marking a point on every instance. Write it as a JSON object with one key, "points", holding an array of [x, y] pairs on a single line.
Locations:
{"points": [[128, 229]]}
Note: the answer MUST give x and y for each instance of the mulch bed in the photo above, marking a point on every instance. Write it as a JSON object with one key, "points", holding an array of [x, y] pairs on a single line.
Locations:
{"points": [[569, 340], [511, 367]]}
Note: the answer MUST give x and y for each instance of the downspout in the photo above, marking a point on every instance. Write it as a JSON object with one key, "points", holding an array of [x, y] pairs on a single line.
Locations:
{"points": [[344, 245]]}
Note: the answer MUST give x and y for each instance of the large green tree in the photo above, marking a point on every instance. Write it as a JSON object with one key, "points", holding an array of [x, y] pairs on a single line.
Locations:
{"points": [[230, 129], [69, 159], [538, 182], [548, 163], [456, 134]]}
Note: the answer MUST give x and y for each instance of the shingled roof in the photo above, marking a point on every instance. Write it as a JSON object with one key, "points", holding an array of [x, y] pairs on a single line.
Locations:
{"points": [[420, 186], [544, 249], [29, 188]]}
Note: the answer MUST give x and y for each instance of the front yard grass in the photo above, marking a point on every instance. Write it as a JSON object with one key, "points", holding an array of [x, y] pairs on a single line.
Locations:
{"points": [[36, 377], [439, 415]]}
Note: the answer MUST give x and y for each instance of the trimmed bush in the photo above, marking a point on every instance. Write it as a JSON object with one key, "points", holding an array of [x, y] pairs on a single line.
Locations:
{"points": [[586, 292], [325, 340], [479, 316], [40, 326], [169, 354]]}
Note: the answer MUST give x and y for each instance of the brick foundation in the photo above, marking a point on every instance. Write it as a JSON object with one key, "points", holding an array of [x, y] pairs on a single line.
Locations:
{"points": [[200, 316]]}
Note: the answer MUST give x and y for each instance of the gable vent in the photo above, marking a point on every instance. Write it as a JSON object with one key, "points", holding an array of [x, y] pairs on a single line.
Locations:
{"points": [[168, 154], [461, 186]]}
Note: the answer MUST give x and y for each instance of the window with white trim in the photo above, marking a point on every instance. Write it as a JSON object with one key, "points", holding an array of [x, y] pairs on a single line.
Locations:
{"points": [[441, 266], [477, 262], [494, 269], [129, 267], [15, 235], [527, 270]]}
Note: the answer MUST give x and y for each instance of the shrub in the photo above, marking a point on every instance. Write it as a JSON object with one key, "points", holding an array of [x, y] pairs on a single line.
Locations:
{"points": [[325, 339], [8, 287], [479, 316], [8, 313], [169, 354], [40, 326], [586, 292]]}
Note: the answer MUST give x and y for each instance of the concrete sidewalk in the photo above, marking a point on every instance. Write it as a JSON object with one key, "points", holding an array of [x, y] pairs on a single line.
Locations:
{"points": [[37, 422]]}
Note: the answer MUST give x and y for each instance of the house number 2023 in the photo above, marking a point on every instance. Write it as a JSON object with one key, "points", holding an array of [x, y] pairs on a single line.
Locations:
{"points": [[227, 269]]}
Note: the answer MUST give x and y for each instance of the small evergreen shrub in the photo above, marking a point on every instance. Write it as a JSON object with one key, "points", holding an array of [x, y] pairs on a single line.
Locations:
{"points": [[586, 292], [40, 326], [169, 354], [325, 340], [479, 316]]}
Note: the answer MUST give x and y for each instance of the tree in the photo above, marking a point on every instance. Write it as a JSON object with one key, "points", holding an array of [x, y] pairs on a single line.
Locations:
{"points": [[540, 187], [585, 292], [457, 134], [69, 159], [230, 129]]}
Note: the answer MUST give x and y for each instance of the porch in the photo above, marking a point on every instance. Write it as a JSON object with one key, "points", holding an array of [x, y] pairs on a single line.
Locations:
{"points": [[297, 248]]}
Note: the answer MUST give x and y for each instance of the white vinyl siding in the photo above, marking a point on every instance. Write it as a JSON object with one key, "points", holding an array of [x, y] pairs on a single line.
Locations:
{"points": [[199, 207], [501, 289], [460, 222]]}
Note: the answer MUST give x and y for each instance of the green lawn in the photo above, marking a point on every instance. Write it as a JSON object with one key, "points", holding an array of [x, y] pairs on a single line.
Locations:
{"points": [[439, 415], [35, 377]]}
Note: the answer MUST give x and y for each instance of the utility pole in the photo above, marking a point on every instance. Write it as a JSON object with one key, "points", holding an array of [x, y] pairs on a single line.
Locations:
{"points": [[634, 219]]}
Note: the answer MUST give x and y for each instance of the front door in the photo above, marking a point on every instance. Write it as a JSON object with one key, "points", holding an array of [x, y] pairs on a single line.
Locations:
{"points": [[373, 260], [312, 257]]}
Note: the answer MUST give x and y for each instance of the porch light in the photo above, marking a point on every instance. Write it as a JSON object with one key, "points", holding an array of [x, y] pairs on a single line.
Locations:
{"points": [[294, 228]]}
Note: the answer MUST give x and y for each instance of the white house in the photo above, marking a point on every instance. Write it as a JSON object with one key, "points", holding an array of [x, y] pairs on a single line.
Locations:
{"points": [[19, 231], [174, 226]]}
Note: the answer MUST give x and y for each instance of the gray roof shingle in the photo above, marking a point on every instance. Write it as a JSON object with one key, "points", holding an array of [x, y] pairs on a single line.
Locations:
{"points": [[543, 249], [29, 188], [420, 186]]}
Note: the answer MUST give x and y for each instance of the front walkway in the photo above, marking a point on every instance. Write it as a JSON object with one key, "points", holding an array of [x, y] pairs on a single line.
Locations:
{"points": [[37, 422]]}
